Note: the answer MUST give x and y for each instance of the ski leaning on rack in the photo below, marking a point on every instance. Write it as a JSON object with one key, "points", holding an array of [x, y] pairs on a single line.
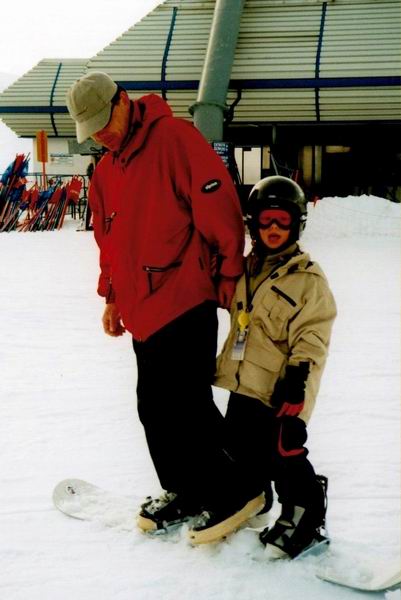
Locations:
{"points": [[82, 500]]}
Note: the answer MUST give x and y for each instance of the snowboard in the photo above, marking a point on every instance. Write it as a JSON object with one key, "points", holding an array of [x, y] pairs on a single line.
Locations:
{"points": [[378, 578], [87, 502], [82, 500]]}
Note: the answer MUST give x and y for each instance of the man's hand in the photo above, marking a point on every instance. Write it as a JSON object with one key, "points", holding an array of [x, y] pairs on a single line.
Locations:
{"points": [[225, 291], [111, 320]]}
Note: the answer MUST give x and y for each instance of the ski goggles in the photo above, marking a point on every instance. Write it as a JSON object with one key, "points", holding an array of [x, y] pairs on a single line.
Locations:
{"points": [[281, 217]]}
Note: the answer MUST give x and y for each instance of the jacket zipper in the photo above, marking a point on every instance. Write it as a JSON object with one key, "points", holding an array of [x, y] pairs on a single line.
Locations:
{"points": [[149, 270], [161, 269], [108, 221], [108, 295], [283, 295]]}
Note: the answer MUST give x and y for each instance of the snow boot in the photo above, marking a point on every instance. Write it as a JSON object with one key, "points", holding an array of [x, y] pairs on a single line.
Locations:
{"points": [[163, 513], [298, 529], [214, 525]]}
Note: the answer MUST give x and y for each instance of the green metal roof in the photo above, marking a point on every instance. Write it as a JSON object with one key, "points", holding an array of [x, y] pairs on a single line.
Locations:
{"points": [[37, 99], [296, 61]]}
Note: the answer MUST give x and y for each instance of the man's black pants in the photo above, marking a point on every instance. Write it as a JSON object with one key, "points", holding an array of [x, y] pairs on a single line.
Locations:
{"points": [[184, 428]]}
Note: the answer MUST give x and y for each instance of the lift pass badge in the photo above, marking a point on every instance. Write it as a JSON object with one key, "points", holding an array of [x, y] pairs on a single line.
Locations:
{"points": [[241, 336], [238, 350]]}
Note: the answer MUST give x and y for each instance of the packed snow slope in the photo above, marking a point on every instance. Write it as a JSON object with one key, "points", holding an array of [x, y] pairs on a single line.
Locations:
{"points": [[68, 409]]}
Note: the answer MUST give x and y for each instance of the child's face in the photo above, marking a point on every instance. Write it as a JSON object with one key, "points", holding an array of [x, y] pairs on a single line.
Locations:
{"points": [[274, 236], [275, 228]]}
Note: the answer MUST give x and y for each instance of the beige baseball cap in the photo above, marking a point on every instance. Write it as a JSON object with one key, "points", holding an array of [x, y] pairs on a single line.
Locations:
{"points": [[89, 103]]}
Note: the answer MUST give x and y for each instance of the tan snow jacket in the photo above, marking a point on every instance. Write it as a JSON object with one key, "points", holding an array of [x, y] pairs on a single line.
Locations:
{"points": [[291, 316]]}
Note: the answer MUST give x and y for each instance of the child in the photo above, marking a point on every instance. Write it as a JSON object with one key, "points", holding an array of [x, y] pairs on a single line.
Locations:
{"points": [[272, 362]]}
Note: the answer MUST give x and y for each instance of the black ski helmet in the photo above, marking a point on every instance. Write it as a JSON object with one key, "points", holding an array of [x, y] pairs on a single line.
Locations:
{"points": [[277, 192]]}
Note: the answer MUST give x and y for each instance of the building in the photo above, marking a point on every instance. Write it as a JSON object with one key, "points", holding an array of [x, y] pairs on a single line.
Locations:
{"points": [[315, 88]]}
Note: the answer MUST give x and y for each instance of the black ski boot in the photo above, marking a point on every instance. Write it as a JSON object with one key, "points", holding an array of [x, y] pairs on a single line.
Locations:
{"points": [[299, 529], [163, 513]]}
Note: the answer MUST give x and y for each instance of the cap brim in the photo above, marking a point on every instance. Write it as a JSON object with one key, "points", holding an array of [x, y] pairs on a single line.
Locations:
{"points": [[87, 128]]}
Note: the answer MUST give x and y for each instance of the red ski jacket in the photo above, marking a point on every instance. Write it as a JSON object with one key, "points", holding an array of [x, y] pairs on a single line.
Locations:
{"points": [[160, 207]]}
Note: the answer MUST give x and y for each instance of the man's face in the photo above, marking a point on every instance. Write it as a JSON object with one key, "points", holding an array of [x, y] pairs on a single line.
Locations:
{"points": [[106, 137], [112, 135]]}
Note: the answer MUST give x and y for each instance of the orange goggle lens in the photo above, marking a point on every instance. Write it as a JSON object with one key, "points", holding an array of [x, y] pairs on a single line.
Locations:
{"points": [[267, 217]]}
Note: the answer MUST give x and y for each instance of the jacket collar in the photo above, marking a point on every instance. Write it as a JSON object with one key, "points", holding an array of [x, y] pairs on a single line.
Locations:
{"points": [[145, 112]]}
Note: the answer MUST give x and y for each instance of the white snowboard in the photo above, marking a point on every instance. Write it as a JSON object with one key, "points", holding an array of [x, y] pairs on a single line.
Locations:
{"points": [[368, 578], [82, 500]]}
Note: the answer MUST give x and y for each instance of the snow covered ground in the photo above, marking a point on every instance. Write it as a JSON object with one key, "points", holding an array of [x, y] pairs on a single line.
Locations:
{"points": [[68, 409]]}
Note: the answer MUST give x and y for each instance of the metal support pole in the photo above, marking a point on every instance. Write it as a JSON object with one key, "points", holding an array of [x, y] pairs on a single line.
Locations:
{"points": [[210, 107]]}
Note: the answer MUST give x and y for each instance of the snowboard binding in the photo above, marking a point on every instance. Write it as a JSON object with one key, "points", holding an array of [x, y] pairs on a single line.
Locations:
{"points": [[299, 530]]}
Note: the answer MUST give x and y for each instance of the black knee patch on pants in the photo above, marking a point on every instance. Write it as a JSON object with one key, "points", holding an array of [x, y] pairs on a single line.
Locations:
{"points": [[291, 437]]}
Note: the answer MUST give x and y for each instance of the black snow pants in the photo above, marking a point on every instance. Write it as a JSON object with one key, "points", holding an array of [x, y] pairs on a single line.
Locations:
{"points": [[273, 450], [184, 429]]}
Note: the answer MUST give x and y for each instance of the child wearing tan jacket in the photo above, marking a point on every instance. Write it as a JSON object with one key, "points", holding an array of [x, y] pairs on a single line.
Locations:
{"points": [[272, 362]]}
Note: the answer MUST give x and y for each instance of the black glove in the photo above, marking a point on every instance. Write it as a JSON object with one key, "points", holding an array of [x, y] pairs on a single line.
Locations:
{"points": [[289, 393]]}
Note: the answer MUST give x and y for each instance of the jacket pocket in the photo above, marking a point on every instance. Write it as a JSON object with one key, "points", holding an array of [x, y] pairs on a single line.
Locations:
{"points": [[261, 366], [158, 275], [277, 314]]}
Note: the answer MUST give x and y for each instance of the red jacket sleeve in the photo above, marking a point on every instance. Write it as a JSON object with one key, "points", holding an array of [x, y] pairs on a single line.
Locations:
{"points": [[105, 288], [201, 177]]}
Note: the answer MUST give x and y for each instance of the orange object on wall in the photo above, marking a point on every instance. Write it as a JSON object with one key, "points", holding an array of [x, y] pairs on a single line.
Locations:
{"points": [[41, 146]]}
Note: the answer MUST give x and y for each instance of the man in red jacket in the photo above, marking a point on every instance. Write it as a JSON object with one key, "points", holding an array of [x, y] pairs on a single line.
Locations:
{"points": [[165, 213]]}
